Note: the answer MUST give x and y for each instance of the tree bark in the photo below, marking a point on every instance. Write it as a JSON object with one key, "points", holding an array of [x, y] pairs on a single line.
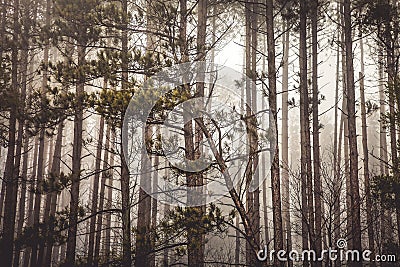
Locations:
{"points": [[303, 125], [346, 134], [368, 200], [76, 161], [250, 73], [3, 41], [338, 188], [11, 183], [107, 243], [95, 193], [31, 189], [316, 148], [104, 176], [256, 174], [154, 204], [3, 34], [36, 256], [20, 141], [51, 201], [196, 238], [308, 151], [275, 179], [63, 247], [285, 141], [38, 194], [351, 113], [337, 153], [394, 98], [125, 184], [384, 170], [264, 172], [166, 213], [143, 238], [22, 202]]}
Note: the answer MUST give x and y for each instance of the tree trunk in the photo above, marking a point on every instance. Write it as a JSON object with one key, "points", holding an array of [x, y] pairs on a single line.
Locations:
{"points": [[2, 197], [250, 73], [125, 184], [76, 162], [275, 179], [92, 226], [337, 155], [3, 32], [345, 139], [316, 153], [285, 141], [368, 199], [384, 170], [303, 125], [40, 256], [264, 171], [351, 113], [52, 197], [31, 189], [342, 139], [22, 202], [143, 229], [246, 220], [346, 134], [35, 256], [2, 38], [38, 195], [21, 125], [143, 240], [166, 214], [238, 189], [107, 245], [11, 183], [392, 71], [308, 154], [237, 240], [196, 238], [3, 12], [154, 205], [63, 247], [255, 172], [106, 174], [59, 199]]}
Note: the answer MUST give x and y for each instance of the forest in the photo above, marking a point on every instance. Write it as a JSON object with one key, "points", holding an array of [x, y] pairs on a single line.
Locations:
{"points": [[199, 133]]}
